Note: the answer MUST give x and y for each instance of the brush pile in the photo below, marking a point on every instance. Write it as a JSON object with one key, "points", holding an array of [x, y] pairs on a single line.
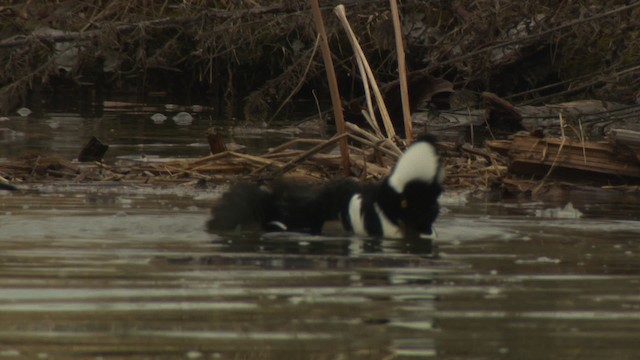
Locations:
{"points": [[371, 159], [263, 52]]}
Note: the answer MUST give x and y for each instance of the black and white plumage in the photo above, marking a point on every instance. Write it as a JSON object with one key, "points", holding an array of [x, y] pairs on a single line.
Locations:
{"points": [[403, 205]]}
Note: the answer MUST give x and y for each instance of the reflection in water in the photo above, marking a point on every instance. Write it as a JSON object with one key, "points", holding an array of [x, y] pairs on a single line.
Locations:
{"points": [[375, 270], [129, 133], [90, 272], [301, 243]]}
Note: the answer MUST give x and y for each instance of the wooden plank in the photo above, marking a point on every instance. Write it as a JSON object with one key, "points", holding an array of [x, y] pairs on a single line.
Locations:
{"points": [[531, 154], [500, 146]]}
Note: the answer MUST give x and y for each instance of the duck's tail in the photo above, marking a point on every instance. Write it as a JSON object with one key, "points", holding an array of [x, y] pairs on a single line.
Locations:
{"points": [[244, 205]]}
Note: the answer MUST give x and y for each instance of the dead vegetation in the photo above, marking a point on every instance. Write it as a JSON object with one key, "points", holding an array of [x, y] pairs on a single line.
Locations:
{"points": [[528, 163], [260, 53], [371, 159], [263, 54]]}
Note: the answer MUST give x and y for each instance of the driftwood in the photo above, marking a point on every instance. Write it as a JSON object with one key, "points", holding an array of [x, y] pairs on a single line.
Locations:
{"points": [[541, 156], [626, 140], [317, 162], [467, 168]]}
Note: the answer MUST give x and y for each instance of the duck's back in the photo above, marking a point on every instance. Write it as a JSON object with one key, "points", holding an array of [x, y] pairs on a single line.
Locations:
{"points": [[284, 205]]}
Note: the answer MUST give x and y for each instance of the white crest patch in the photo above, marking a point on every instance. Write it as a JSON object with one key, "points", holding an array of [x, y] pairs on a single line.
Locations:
{"points": [[419, 162]]}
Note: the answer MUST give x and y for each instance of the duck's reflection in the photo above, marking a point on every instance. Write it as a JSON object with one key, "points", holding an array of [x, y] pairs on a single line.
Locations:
{"points": [[338, 245]]}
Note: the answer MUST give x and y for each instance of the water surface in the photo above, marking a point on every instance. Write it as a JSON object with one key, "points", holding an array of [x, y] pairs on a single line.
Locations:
{"points": [[97, 271], [131, 273]]}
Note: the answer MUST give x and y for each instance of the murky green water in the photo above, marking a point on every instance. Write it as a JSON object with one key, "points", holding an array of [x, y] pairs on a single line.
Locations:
{"points": [[97, 272]]}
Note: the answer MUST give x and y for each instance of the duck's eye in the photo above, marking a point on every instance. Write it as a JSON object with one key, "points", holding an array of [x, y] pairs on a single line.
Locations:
{"points": [[404, 203]]}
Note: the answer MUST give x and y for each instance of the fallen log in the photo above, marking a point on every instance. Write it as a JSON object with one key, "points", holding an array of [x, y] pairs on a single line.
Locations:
{"points": [[540, 156]]}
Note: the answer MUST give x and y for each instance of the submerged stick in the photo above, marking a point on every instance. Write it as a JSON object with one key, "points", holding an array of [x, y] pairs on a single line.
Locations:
{"points": [[333, 86], [402, 71]]}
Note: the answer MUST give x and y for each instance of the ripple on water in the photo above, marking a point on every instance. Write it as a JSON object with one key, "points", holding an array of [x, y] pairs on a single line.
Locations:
{"points": [[79, 281]]}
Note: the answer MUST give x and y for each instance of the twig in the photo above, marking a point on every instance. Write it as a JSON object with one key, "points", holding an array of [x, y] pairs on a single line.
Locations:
{"points": [[314, 150], [179, 171], [533, 36], [35, 165], [371, 168], [356, 129], [584, 150], [257, 159], [555, 160], [300, 82], [373, 123], [322, 122], [402, 71], [333, 88], [291, 143], [388, 125], [370, 114], [210, 158], [171, 22]]}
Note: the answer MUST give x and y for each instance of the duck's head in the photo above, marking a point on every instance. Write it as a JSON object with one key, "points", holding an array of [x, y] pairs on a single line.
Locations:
{"points": [[409, 196]]}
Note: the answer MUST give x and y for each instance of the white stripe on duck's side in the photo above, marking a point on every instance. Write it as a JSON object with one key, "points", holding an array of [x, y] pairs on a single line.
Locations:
{"points": [[356, 218], [389, 229]]}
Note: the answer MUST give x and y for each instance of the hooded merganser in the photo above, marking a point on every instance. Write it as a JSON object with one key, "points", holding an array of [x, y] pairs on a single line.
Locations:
{"points": [[403, 205]]}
